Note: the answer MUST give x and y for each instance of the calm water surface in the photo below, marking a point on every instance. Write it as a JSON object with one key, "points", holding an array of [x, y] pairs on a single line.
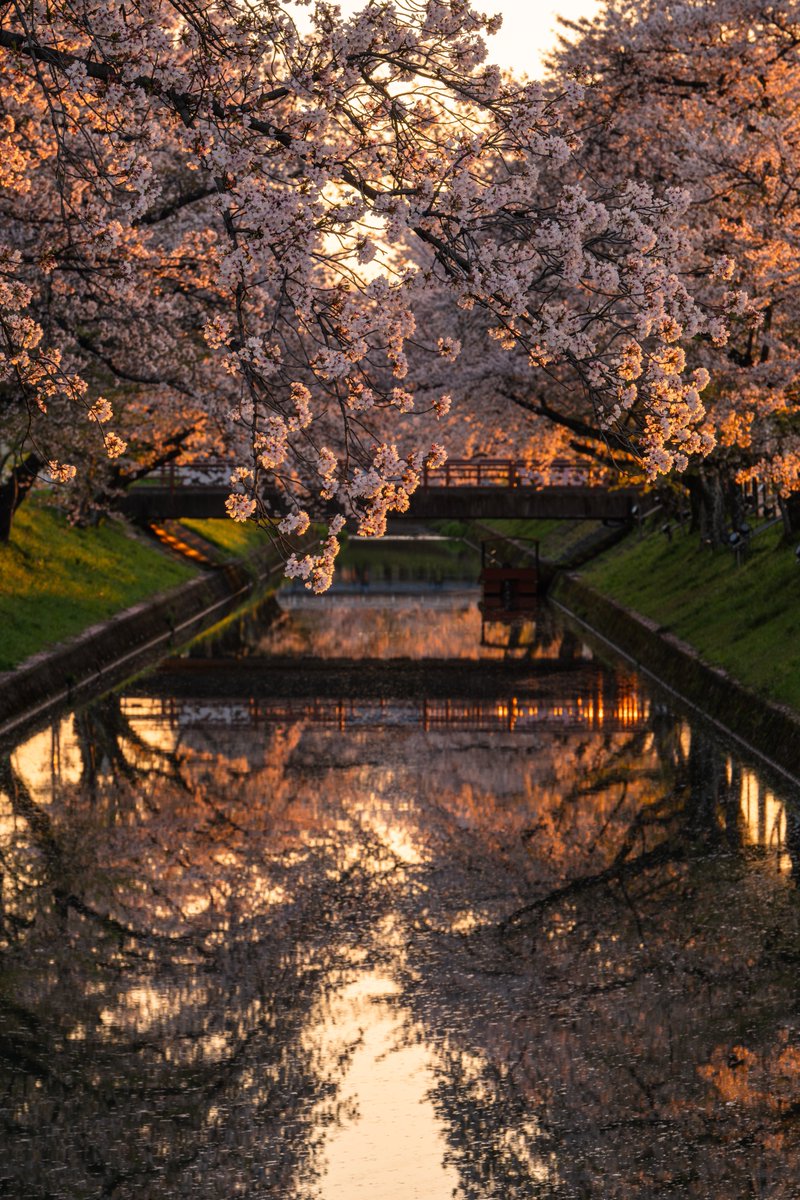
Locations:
{"points": [[497, 925]]}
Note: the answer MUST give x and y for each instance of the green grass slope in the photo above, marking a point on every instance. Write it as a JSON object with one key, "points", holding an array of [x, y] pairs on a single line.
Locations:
{"points": [[556, 538], [235, 538], [56, 580], [744, 618]]}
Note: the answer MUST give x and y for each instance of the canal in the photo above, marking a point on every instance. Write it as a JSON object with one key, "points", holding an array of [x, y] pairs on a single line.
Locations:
{"points": [[346, 904]]}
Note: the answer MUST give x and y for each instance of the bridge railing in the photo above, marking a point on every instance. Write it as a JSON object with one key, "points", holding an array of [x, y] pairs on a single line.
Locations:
{"points": [[510, 473], [472, 473], [203, 473], [627, 711], [457, 472]]}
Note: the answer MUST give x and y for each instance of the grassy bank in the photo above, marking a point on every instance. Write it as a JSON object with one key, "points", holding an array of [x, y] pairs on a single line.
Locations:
{"points": [[557, 539], [743, 618], [382, 561], [56, 580], [234, 538]]}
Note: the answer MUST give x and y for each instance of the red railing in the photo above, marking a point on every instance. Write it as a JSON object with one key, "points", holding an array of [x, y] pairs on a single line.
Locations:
{"points": [[509, 473]]}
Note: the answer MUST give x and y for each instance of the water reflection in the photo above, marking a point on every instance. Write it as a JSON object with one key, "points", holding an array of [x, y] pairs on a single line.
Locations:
{"points": [[388, 1129], [625, 708], [423, 621], [265, 951]]}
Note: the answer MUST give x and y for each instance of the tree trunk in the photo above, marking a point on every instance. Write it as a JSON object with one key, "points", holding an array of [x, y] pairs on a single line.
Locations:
{"points": [[735, 501], [695, 495], [790, 514], [707, 499], [14, 490]]}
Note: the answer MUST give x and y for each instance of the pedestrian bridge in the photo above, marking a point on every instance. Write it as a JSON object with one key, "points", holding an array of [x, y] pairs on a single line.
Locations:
{"points": [[463, 489]]}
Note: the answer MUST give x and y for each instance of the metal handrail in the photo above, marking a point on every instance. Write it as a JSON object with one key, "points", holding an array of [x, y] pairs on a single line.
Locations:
{"points": [[457, 472]]}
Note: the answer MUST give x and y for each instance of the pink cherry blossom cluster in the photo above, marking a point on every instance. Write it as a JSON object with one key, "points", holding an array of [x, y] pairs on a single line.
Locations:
{"points": [[707, 94], [36, 372], [299, 197], [316, 570]]}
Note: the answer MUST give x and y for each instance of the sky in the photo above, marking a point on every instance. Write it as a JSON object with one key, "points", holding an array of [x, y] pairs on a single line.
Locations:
{"points": [[529, 29]]}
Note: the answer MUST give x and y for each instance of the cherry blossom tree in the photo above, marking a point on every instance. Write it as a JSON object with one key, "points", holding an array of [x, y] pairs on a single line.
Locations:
{"points": [[99, 325], [706, 96], [295, 170]]}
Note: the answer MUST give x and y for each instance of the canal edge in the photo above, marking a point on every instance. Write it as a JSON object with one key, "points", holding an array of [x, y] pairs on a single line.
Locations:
{"points": [[767, 730], [111, 651]]}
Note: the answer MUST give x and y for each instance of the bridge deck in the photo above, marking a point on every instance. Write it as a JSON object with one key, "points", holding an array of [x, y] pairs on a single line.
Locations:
{"points": [[476, 488], [397, 678], [157, 502], [368, 693]]}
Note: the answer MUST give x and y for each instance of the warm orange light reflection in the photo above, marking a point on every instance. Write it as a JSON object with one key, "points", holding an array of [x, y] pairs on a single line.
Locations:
{"points": [[765, 818], [629, 710]]}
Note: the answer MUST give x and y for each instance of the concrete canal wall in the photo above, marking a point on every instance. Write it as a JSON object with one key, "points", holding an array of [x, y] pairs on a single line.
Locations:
{"points": [[106, 653], [769, 730]]}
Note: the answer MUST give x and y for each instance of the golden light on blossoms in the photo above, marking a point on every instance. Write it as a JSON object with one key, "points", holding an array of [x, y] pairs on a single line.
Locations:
{"points": [[428, 227]]}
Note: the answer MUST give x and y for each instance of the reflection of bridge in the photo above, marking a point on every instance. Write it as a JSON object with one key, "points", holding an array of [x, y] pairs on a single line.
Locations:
{"points": [[510, 715], [397, 594], [368, 693], [311, 678], [462, 488]]}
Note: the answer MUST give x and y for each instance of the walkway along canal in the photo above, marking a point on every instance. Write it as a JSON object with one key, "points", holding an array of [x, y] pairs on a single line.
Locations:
{"points": [[533, 938]]}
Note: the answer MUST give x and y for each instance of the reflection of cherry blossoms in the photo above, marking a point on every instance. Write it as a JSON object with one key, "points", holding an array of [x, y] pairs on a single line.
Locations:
{"points": [[590, 928]]}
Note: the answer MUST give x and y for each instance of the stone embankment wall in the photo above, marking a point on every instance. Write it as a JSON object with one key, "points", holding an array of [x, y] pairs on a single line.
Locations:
{"points": [[109, 652], [768, 729]]}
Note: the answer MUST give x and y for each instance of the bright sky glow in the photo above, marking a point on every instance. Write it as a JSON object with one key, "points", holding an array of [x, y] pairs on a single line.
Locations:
{"points": [[530, 29]]}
